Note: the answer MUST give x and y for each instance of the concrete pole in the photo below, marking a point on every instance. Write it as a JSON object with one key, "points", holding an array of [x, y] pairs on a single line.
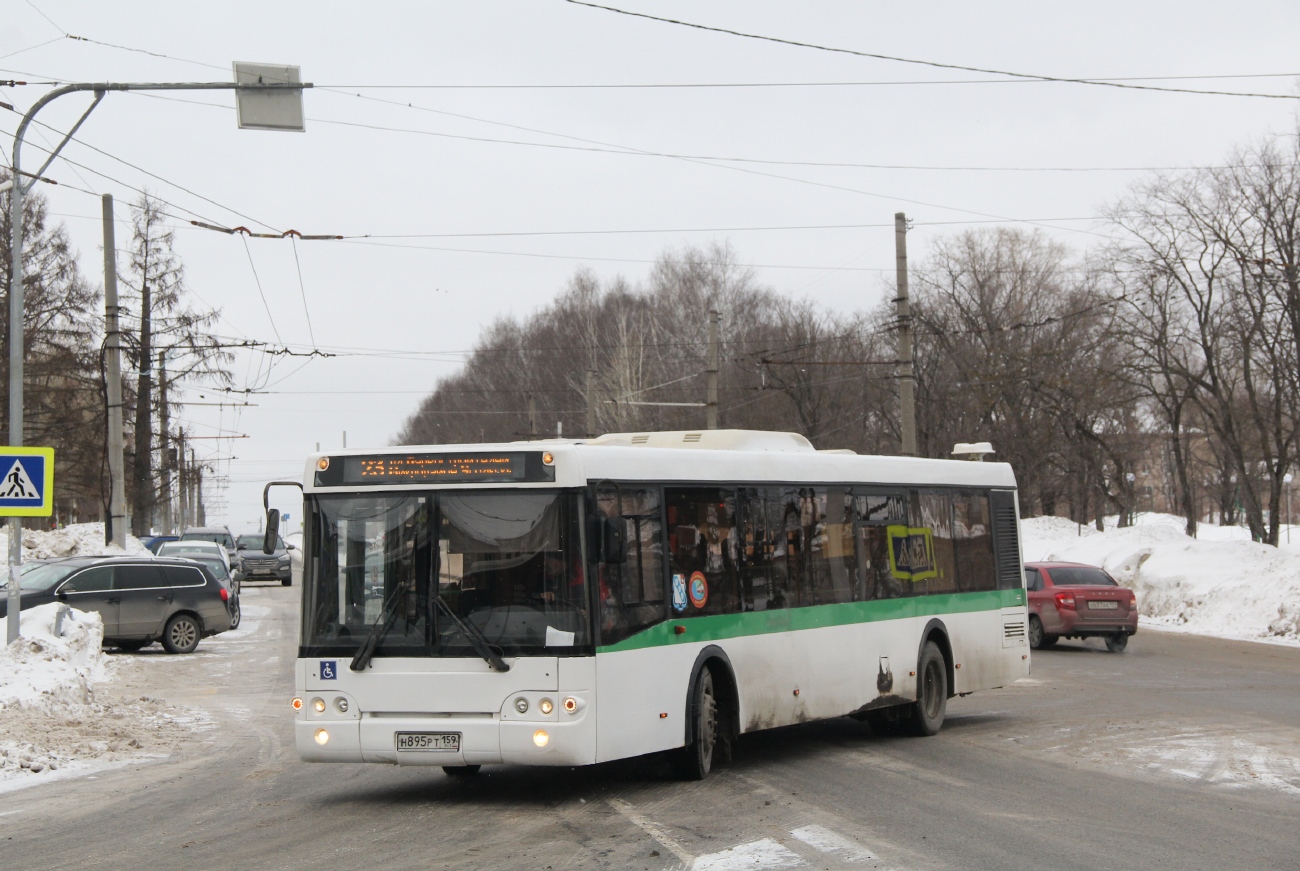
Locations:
{"points": [[591, 404], [906, 379], [712, 415], [164, 455], [113, 377]]}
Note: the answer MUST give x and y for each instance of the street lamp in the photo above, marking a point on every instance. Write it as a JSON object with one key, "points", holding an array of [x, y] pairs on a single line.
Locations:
{"points": [[267, 111]]}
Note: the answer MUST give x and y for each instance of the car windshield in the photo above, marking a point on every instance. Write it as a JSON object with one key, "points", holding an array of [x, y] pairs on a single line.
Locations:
{"points": [[216, 566], [1080, 576], [220, 538], [505, 562], [254, 542], [176, 548], [40, 577]]}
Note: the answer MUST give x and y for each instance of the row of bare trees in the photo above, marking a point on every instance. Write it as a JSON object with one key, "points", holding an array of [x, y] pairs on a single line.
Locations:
{"points": [[65, 399], [1169, 357]]}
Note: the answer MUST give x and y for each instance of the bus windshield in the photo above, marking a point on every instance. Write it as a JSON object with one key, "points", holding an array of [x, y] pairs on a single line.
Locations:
{"points": [[506, 562]]}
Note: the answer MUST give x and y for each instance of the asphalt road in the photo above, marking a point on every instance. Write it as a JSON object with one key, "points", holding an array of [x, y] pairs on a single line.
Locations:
{"points": [[1182, 753]]}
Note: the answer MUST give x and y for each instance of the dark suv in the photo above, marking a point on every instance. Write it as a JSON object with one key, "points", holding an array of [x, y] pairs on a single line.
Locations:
{"points": [[258, 565], [140, 600]]}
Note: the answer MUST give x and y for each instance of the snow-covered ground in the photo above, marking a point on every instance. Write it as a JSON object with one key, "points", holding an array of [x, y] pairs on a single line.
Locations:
{"points": [[53, 722], [1220, 583]]}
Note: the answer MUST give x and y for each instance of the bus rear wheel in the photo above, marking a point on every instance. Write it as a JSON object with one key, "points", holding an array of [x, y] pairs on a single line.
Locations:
{"points": [[695, 760], [931, 691]]}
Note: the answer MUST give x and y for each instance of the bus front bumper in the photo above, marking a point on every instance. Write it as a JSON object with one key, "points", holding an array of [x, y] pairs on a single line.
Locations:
{"points": [[479, 739]]}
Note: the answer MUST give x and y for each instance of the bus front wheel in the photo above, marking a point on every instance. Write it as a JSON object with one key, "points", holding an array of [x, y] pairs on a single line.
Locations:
{"points": [[695, 760], [931, 691]]}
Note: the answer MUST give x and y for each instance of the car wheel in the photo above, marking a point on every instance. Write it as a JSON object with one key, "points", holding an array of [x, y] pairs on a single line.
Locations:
{"points": [[1117, 642], [695, 760], [1049, 641], [131, 646], [931, 691], [181, 635], [460, 770], [286, 582], [1035, 633], [235, 613]]}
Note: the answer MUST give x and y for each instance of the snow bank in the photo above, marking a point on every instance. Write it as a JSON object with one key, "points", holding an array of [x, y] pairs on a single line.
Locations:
{"points": [[1220, 583], [76, 540]]}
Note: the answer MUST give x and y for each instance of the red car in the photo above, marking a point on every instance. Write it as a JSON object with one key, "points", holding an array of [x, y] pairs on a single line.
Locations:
{"points": [[1072, 600]]}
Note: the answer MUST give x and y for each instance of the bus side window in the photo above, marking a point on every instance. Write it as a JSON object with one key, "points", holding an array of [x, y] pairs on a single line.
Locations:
{"points": [[632, 584], [705, 560], [876, 512], [931, 516], [973, 540]]}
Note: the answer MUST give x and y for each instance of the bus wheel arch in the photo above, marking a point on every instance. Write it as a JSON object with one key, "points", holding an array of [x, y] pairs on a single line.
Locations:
{"points": [[713, 669], [937, 632]]}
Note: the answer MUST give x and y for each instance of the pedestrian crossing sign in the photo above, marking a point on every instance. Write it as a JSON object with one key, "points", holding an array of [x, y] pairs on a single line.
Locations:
{"points": [[26, 482]]}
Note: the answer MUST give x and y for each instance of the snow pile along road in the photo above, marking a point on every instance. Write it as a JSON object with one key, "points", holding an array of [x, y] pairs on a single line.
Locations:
{"points": [[1220, 583], [77, 540]]}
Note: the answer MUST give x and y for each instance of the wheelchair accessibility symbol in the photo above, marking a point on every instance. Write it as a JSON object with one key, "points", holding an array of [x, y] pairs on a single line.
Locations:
{"points": [[329, 670]]}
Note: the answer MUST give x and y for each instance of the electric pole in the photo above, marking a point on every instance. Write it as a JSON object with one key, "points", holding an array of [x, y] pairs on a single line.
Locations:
{"points": [[591, 404], [165, 451], [906, 382], [142, 509], [113, 385], [711, 421]]}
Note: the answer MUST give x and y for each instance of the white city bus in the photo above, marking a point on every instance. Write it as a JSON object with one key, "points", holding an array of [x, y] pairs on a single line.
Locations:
{"points": [[573, 602]]}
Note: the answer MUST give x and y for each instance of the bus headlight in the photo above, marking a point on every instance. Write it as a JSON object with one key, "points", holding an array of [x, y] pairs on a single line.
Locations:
{"points": [[545, 706], [540, 738], [322, 737], [318, 705]]}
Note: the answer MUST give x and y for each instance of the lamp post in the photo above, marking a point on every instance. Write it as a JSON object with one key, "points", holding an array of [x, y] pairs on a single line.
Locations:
{"points": [[254, 85]]}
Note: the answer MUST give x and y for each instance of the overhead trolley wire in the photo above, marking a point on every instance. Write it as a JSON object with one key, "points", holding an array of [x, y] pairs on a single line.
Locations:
{"points": [[927, 63]]}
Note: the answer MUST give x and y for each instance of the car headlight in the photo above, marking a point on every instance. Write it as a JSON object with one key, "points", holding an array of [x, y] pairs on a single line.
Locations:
{"points": [[284, 559]]}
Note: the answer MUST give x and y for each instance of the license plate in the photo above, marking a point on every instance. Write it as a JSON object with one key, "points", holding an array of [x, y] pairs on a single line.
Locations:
{"points": [[1103, 606], [431, 741]]}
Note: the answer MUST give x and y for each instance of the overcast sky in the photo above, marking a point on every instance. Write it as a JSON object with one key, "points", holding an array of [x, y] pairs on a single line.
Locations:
{"points": [[482, 191]]}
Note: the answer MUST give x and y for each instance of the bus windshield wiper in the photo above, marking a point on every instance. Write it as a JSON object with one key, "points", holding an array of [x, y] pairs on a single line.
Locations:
{"points": [[477, 639], [378, 629]]}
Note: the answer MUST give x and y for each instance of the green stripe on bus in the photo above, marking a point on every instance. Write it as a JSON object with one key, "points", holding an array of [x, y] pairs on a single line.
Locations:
{"points": [[720, 626]]}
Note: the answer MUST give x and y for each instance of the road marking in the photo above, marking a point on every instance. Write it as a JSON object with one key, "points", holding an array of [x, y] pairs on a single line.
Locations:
{"points": [[652, 829], [754, 856], [822, 838]]}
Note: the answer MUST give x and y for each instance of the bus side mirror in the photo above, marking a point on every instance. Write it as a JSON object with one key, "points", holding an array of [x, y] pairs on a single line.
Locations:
{"points": [[272, 530]]}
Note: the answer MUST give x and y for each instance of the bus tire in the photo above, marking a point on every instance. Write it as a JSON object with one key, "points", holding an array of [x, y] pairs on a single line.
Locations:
{"points": [[931, 691], [695, 760]]}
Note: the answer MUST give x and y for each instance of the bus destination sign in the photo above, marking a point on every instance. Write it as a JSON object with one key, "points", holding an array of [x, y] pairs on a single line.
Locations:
{"points": [[441, 468]]}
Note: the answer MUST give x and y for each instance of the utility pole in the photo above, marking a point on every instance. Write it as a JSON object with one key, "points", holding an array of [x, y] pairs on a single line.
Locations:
{"points": [[906, 381], [142, 513], [182, 483], [591, 404], [165, 451], [532, 416], [712, 414], [201, 516], [113, 385]]}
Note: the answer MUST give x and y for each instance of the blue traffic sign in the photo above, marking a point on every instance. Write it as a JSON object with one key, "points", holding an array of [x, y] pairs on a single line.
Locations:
{"points": [[26, 482]]}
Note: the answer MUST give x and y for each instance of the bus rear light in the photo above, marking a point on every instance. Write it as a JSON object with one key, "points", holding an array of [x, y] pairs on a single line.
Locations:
{"points": [[1065, 600], [297, 704], [540, 738], [571, 705], [322, 737]]}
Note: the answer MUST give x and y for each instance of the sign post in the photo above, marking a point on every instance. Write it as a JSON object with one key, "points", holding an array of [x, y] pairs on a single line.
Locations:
{"points": [[26, 490]]}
